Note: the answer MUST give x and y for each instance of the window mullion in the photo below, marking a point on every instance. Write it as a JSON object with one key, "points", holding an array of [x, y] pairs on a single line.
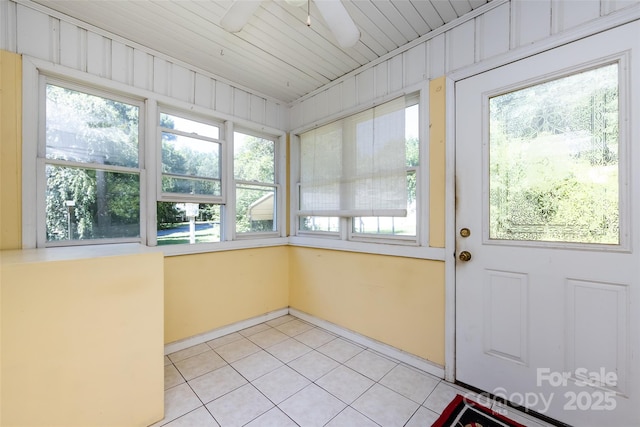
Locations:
{"points": [[152, 159]]}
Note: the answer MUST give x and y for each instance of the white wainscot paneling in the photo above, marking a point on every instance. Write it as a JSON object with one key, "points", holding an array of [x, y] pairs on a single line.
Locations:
{"points": [[598, 329], [366, 86], [73, 46], [276, 115], [321, 103], [257, 109], [224, 97], [142, 70], [505, 333], [381, 73], [334, 99], [349, 94], [121, 63], [610, 6], [570, 14], [204, 87], [240, 103], [436, 62], [415, 64], [531, 21], [98, 55], [461, 46], [182, 83], [493, 32], [8, 26], [161, 76], [34, 33], [396, 73]]}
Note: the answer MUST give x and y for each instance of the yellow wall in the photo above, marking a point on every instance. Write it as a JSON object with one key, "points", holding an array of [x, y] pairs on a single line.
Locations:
{"points": [[399, 301], [82, 340], [10, 150], [437, 111], [207, 291]]}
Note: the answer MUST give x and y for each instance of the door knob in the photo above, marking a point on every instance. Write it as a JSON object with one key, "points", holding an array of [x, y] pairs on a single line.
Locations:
{"points": [[464, 256]]}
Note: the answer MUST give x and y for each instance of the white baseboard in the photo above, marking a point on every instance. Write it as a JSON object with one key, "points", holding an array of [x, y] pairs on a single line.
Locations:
{"points": [[385, 349], [225, 330]]}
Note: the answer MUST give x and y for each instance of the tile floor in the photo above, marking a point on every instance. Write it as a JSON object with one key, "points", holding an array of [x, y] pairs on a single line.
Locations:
{"points": [[286, 372]]}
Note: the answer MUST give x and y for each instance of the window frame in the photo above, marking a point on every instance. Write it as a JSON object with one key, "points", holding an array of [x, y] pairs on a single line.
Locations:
{"points": [[42, 161], [279, 160], [163, 196], [36, 72], [345, 238]]}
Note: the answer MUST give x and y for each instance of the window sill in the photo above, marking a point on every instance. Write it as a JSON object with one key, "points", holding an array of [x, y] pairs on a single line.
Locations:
{"points": [[421, 252], [22, 256], [176, 250]]}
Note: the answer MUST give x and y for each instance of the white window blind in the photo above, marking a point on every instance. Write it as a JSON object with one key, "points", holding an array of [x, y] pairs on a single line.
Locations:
{"points": [[356, 166]]}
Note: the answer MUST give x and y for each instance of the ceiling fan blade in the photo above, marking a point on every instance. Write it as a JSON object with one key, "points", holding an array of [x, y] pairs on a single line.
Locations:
{"points": [[340, 23], [239, 14]]}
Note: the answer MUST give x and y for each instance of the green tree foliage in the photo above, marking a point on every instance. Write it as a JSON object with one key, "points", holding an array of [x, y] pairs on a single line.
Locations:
{"points": [[554, 160], [96, 131], [254, 160]]}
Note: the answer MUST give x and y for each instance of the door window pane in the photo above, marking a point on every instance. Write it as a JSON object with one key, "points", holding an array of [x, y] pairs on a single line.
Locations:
{"points": [[554, 160]]}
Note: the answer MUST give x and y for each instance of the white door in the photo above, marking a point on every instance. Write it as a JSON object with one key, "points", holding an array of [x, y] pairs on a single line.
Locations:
{"points": [[548, 197]]}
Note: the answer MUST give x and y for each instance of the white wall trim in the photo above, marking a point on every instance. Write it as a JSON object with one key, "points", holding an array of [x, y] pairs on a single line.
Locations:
{"points": [[225, 330], [382, 348], [590, 28]]}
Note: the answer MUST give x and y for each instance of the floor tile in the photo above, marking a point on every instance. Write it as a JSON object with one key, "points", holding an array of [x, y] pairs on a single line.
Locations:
{"points": [[167, 361], [385, 406], [440, 397], [345, 384], [340, 349], [223, 340], [423, 417], [280, 320], [410, 383], [273, 418], [254, 329], [312, 406], [371, 364], [188, 352], [351, 418], [200, 364], [288, 350], [217, 383], [256, 365], [198, 418], [178, 401], [239, 407], [315, 337], [237, 350], [268, 338], [313, 365], [281, 384], [295, 327], [172, 377]]}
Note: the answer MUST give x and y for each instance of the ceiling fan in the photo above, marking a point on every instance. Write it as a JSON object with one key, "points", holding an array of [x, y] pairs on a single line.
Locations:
{"points": [[333, 12]]}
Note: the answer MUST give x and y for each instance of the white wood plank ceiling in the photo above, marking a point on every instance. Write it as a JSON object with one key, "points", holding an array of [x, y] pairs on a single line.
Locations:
{"points": [[275, 54]]}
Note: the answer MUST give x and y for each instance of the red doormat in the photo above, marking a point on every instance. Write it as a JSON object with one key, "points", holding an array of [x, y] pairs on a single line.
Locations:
{"points": [[462, 412]]}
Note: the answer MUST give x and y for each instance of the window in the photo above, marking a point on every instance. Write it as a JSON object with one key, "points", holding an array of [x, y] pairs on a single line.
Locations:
{"points": [[255, 180], [191, 176], [91, 166], [184, 186], [384, 223]]}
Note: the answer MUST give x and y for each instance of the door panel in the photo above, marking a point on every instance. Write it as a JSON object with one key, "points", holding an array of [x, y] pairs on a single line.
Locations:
{"points": [[546, 307]]}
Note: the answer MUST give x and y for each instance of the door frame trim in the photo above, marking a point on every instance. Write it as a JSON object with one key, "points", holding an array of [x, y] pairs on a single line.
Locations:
{"points": [[603, 24]]}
